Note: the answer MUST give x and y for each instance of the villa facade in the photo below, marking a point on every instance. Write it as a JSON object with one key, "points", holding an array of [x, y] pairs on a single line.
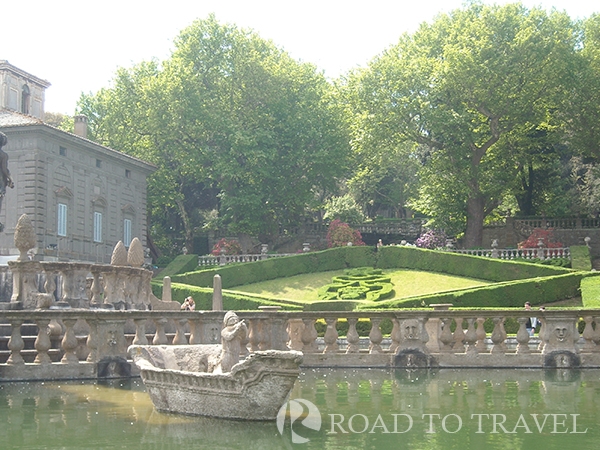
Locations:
{"points": [[82, 197]]}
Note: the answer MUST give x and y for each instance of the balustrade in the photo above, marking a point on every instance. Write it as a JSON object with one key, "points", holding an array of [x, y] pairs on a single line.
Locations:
{"points": [[458, 337]]}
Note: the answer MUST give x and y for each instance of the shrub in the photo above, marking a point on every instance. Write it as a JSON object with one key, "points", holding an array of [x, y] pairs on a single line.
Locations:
{"points": [[432, 239], [363, 283], [232, 247], [340, 233], [546, 236]]}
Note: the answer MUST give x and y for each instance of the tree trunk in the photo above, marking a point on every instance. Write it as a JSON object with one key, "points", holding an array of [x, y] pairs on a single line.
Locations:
{"points": [[189, 231], [475, 215]]}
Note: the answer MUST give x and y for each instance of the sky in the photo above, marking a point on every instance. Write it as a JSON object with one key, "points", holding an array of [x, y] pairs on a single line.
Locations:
{"points": [[78, 45]]}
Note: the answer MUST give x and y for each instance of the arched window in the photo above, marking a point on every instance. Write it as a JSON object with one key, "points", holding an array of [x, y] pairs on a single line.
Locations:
{"points": [[25, 95]]}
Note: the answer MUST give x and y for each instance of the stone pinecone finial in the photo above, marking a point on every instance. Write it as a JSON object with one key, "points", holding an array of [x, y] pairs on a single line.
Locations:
{"points": [[24, 236], [135, 255], [119, 255]]}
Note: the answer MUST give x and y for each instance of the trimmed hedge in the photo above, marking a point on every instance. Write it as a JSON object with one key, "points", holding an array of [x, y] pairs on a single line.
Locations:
{"points": [[515, 280], [281, 267], [231, 300], [181, 264], [580, 257], [590, 291], [461, 265], [509, 294]]}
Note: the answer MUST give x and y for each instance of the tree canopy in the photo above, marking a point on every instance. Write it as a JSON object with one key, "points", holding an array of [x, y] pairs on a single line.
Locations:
{"points": [[464, 87], [485, 110], [233, 123]]}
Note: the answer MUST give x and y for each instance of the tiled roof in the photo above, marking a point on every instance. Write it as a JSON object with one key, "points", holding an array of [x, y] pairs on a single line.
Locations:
{"points": [[15, 119]]}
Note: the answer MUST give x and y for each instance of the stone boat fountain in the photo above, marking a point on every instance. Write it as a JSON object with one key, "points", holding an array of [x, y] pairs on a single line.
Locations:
{"points": [[210, 380]]}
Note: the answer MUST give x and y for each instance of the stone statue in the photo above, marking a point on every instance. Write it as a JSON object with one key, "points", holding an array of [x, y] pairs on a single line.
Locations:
{"points": [[233, 332], [5, 179]]}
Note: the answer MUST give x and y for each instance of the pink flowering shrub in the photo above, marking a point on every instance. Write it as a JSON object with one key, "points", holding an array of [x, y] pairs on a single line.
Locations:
{"points": [[231, 247], [340, 233], [431, 239]]}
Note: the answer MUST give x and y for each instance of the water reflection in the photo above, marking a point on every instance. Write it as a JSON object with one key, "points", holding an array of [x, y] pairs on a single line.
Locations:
{"points": [[415, 409]]}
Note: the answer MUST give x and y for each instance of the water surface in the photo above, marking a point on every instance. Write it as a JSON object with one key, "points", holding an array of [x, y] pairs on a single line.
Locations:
{"points": [[358, 409]]}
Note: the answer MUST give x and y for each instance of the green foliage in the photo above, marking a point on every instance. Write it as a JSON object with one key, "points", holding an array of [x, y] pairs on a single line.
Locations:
{"points": [[461, 265], [580, 257], [343, 208], [281, 267], [233, 301], [590, 291], [363, 283], [232, 123], [537, 291], [181, 264], [466, 91]]}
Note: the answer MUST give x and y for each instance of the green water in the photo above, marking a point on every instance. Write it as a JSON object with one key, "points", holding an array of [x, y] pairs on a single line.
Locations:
{"points": [[359, 409]]}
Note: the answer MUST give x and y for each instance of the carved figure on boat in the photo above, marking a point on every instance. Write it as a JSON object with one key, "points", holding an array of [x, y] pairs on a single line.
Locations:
{"points": [[210, 380]]}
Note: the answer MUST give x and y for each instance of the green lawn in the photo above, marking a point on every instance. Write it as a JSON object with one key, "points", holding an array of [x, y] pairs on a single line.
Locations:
{"points": [[303, 288]]}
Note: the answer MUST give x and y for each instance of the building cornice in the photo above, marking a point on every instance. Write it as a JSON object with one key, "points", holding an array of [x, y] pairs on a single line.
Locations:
{"points": [[5, 65]]}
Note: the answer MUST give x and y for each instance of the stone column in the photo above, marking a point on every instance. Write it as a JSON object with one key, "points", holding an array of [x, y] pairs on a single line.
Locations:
{"points": [[217, 298]]}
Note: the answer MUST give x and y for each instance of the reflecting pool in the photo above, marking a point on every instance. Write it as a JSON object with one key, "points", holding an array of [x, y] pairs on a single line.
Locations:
{"points": [[332, 409]]}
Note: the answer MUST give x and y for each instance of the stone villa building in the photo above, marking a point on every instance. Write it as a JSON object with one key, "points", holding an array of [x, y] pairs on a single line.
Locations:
{"points": [[82, 197]]}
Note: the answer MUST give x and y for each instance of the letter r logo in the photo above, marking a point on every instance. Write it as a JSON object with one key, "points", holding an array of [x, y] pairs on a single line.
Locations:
{"points": [[299, 410]]}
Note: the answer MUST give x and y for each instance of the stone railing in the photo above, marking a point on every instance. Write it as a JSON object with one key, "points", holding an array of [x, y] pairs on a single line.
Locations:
{"points": [[221, 260], [521, 253], [80, 343]]}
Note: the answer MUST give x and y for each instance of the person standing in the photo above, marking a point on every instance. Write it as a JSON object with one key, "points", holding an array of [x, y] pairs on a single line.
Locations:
{"points": [[531, 321]]}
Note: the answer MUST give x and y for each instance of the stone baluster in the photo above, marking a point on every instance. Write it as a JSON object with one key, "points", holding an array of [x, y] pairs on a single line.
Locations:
{"points": [[279, 334], [498, 336], [264, 339], [179, 338], [471, 337], [69, 343], [331, 335], [42, 342], [459, 336], [352, 336], [96, 288], [481, 334], [140, 332], [597, 334], [523, 336], [375, 336], [253, 335], [294, 331], [446, 336], [15, 343], [50, 282], [160, 337], [542, 334], [396, 335], [244, 341], [588, 334], [309, 336], [92, 341], [196, 331]]}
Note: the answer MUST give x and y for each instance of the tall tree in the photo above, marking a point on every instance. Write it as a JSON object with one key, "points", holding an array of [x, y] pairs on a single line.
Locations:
{"points": [[462, 86], [230, 114]]}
